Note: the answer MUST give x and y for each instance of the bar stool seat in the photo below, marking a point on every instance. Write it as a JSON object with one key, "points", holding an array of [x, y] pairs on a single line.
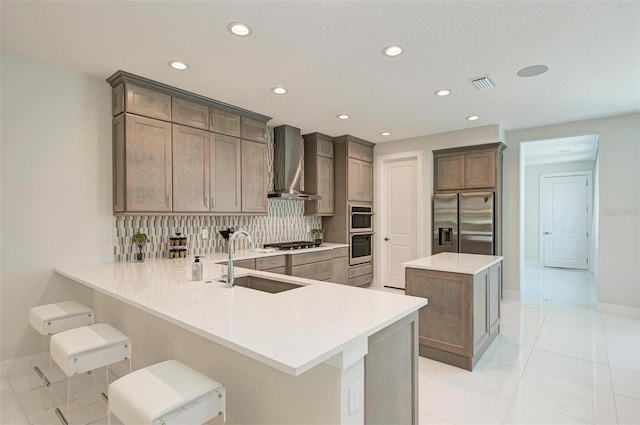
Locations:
{"points": [[165, 393], [52, 318]]}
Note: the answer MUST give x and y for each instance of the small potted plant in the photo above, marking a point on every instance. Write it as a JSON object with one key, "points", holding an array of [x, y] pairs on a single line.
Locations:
{"points": [[139, 239], [317, 235]]}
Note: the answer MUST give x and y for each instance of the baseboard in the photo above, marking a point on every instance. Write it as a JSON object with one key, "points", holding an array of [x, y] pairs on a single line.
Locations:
{"points": [[621, 310], [510, 295]]}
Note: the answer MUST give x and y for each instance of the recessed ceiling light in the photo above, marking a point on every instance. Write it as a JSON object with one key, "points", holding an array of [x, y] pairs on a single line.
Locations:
{"points": [[565, 150], [532, 71], [180, 66], [240, 29], [279, 90], [385, 133], [343, 116], [473, 118], [392, 50], [443, 92]]}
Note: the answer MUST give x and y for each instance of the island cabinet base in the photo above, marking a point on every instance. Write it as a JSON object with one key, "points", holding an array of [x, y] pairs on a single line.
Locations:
{"points": [[463, 315]]}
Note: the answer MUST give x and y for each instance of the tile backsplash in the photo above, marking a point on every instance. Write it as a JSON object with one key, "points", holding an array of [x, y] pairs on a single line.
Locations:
{"points": [[285, 221]]}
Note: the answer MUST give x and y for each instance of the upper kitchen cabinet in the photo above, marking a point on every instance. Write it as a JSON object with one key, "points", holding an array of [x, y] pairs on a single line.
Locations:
{"points": [[254, 177], [225, 122], [142, 164], [226, 166], [254, 130], [179, 152], [318, 173], [190, 113], [359, 167], [190, 169], [469, 167]]}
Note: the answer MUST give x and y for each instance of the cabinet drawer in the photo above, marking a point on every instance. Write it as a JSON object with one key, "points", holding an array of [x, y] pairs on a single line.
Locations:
{"points": [[149, 103], [266, 263], [190, 113], [318, 271], [340, 252], [360, 270], [254, 130], [245, 264], [361, 280], [310, 257], [225, 122]]}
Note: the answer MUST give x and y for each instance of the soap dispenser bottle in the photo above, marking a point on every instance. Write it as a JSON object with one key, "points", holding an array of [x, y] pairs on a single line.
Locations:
{"points": [[196, 269]]}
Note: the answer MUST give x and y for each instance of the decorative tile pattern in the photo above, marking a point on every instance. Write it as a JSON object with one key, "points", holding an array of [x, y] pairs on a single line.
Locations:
{"points": [[285, 221]]}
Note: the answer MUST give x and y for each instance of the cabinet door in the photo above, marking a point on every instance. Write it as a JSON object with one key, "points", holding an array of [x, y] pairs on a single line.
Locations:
{"points": [[254, 177], [354, 177], [150, 103], [190, 169], [254, 130], [479, 170], [325, 185], [225, 122], [225, 173], [449, 172], [148, 164], [190, 113], [366, 181]]}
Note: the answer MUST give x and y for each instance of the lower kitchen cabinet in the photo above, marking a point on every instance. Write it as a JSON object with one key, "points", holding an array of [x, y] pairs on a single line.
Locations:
{"points": [[340, 263], [316, 265], [272, 264], [463, 315], [361, 274]]}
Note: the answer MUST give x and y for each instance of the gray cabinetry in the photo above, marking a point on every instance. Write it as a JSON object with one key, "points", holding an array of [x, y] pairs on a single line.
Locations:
{"points": [[312, 265], [190, 113], [226, 190], [318, 173], [469, 167], [142, 164], [463, 315], [254, 177], [360, 172], [225, 122], [272, 264], [340, 262], [190, 169], [187, 168]]}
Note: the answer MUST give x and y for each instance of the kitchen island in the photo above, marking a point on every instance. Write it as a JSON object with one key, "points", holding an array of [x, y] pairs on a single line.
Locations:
{"points": [[320, 353], [464, 293]]}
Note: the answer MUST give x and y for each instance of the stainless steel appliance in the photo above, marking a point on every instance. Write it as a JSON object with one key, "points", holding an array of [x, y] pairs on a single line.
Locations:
{"points": [[361, 218], [464, 223], [361, 248]]}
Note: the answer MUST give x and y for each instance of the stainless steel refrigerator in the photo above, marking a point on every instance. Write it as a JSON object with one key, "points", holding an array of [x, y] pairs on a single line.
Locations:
{"points": [[464, 222]]}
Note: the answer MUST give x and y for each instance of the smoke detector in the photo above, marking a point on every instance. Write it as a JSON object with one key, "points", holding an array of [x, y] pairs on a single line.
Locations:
{"points": [[484, 83]]}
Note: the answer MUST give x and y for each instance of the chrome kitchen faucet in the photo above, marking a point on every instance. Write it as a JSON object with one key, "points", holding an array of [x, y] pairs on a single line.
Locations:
{"points": [[232, 246]]}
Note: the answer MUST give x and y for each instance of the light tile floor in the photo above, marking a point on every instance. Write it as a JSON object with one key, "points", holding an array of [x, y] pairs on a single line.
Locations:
{"points": [[556, 361]]}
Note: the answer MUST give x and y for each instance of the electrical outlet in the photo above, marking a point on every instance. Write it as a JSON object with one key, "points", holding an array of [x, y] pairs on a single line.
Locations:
{"points": [[205, 233], [308, 229], [354, 398]]}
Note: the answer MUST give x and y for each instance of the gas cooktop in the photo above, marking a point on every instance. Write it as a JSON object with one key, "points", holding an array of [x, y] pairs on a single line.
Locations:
{"points": [[293, 245]]}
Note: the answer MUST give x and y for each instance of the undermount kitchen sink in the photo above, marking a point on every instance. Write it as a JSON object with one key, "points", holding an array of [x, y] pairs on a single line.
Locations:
{"points": [[264, 285]]}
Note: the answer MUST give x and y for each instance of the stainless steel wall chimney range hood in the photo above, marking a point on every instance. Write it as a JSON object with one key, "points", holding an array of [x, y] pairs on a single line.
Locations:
{"points": [[287, 164]]}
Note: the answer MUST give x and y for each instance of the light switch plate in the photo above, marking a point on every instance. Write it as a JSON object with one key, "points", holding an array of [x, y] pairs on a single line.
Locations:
{"points": [[205, 233], [354, 398]]}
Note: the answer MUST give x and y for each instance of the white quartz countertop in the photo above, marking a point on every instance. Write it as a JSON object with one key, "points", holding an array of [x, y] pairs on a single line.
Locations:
{"points": [[454, 263], [292, 331]]}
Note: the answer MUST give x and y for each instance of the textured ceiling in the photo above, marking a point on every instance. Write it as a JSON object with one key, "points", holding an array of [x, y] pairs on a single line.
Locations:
{"points": [[328, 55]]}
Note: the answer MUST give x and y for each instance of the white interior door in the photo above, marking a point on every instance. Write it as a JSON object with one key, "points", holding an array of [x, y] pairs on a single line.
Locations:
{"points": [[565, 218], [399, 229]]}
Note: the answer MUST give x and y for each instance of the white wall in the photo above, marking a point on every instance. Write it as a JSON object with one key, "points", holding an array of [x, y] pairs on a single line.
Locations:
{"points": [[532, 201], [619, 204], [56, 187]]}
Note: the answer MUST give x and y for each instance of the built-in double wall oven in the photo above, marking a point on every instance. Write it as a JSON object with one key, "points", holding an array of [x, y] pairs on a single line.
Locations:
{"points": [[360, 233]]}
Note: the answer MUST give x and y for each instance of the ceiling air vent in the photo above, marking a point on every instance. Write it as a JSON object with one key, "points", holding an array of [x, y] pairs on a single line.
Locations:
{"points": [[484, 83]]}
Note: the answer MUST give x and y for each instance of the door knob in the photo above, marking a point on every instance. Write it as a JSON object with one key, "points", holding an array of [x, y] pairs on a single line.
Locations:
{"points": [[547, 233], [387, 239]]}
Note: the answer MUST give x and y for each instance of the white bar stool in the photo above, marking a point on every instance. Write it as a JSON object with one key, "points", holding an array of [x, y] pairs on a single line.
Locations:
{"points": [[166, 393], [86, 348], [49, 319]]}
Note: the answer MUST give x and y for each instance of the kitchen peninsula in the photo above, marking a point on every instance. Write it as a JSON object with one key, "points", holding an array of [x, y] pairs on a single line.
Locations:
{"points": [[464, 293], [319, 353]]}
